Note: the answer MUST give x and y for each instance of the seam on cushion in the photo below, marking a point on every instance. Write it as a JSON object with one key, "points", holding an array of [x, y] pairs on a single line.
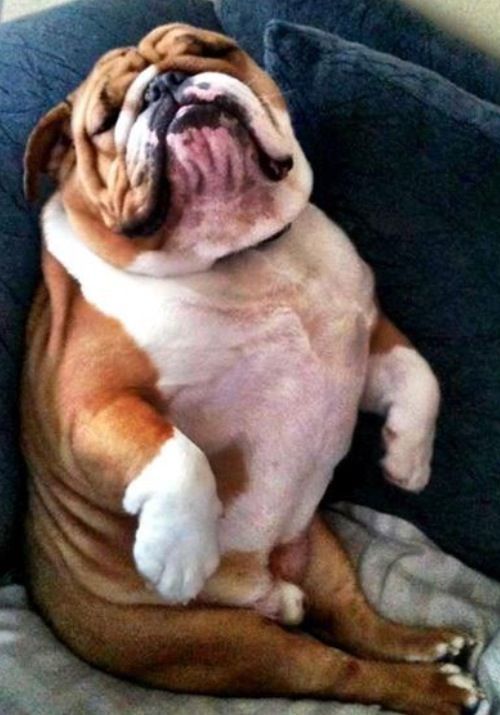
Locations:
{"points": [[288, 90], [303, 114], [297, 101], [358, 57], [301, 111]]}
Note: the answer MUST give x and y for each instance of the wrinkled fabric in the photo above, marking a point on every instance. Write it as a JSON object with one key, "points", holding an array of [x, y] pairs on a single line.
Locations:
{"points": [[409, 165], [409, 579], [403, 574], [384, 25], [42, 58], [489, 675]]}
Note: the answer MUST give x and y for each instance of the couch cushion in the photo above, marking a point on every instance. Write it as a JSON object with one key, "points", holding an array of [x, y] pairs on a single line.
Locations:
{"points": [[385, 25], [43, 57], [409, 165]]}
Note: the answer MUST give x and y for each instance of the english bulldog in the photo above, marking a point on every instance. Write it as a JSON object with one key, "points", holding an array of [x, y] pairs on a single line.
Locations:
{"points": [[198, 351]]}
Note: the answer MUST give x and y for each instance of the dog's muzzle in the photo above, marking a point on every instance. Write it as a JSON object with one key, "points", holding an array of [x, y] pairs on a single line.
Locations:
{"points": [[170, 92], [174, 102]]}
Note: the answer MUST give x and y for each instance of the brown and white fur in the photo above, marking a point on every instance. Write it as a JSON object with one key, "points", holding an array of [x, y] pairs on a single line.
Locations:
{"points": [[189, 388]]}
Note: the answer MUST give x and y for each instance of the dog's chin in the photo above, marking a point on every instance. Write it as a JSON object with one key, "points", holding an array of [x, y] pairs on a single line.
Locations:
{"points": [[210, 156], [209, 165], [213, 158]]}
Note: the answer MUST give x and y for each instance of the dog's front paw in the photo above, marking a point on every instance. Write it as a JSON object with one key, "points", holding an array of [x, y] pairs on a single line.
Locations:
{"points": [[175, 497], [407, 460]]}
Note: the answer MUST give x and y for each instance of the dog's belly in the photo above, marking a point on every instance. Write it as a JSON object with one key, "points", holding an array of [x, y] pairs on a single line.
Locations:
{"points": [[274, 426], [270, 385]]}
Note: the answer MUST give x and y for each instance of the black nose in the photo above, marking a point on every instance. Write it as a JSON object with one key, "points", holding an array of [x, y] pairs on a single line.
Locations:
{"points": [[162, 85]]}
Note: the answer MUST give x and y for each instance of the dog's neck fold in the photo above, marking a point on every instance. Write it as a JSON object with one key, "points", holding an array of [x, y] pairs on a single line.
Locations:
{"points": [[63, 242]]}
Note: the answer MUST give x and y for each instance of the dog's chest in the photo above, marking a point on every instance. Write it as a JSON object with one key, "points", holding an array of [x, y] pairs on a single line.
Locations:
{"points": [[263, 341], [262, 358], [271, 381], [263, 366]]}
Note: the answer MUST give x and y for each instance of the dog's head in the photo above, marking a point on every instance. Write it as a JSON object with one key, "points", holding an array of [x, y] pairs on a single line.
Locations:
{"points": [[173, 154]]}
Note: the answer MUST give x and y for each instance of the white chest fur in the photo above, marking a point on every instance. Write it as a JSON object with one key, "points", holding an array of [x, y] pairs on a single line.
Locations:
{"points": [[265, 352]]}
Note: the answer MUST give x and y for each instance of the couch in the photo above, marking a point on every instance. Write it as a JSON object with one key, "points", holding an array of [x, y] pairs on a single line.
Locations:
{"points": [[402, 126]]}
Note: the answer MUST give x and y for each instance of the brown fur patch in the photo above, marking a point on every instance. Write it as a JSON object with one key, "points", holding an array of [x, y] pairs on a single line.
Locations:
{"points": [[385, 336], [231, 473], [242, 577]]}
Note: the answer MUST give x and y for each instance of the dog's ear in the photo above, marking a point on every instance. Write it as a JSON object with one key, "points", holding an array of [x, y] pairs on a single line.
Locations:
{"points": [[47, 145]]}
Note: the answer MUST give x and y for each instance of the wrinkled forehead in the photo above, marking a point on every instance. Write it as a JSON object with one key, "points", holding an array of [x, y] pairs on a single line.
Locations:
{"points": [[183, 48]]}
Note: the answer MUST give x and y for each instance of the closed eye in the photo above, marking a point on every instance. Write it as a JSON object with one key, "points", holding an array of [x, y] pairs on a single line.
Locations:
{"points": [[217, 51], [213, 49], [110, 112], [108, 122]]}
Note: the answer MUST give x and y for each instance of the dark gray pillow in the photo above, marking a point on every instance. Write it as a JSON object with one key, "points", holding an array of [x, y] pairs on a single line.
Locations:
{"points": [[409, 165], [384, 25], [42, 58]]}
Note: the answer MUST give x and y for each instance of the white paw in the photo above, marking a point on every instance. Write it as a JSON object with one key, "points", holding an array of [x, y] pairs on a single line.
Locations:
{"points": [[175, 496], [407, 461], [464, 681]]}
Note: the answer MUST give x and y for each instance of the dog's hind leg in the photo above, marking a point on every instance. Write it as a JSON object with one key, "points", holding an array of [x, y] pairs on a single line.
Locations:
{"points": [[339, 612], [233, 651], [223, 651]]}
